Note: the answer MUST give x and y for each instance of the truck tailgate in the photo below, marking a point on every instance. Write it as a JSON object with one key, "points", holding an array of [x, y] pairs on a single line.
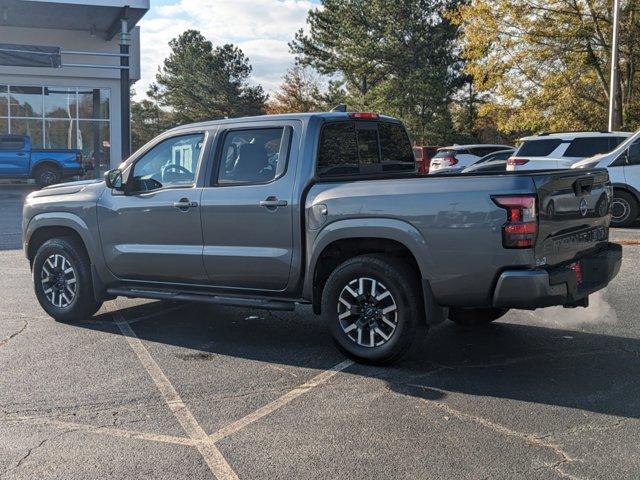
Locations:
{"points": [[574, 214]]}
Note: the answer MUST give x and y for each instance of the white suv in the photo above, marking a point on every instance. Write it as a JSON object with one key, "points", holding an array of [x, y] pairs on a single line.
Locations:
{"points": [[623, 165], [561, 150]]}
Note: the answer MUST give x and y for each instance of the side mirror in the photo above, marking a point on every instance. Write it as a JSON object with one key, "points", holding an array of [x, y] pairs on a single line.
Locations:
{"points": [[113, 179]]}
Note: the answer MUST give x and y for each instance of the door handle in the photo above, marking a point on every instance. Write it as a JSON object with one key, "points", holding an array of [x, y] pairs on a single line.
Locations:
{"points": [[272, 203], [21, 154], [184, 204]]}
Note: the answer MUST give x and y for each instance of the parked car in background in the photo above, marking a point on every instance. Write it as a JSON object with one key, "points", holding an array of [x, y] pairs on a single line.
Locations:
{"points": [[494, 162], [623, 165], [423, 155], [561, 150], [46, 167], [455, 158], [322, 209]]}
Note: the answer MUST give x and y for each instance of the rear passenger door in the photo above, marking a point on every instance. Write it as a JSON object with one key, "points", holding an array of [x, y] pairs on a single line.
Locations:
{"points": [[248, 205]]}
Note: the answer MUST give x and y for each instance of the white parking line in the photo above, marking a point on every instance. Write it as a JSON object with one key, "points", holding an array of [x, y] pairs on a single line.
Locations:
{"points": [[280, 402], [106, 430], [212, 456]]}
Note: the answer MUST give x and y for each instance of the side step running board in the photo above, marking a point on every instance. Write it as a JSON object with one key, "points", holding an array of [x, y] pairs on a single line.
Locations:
{"points": [[204, 298]]}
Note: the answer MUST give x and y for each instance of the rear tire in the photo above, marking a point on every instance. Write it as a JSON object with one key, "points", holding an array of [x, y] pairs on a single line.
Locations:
{"points": [[624, 209], [474, 317], [62, 280], [46, 175], [385, 302]]}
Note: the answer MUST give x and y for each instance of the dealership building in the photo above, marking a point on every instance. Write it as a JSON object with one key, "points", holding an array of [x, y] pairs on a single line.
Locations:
{"points": [[65, 72]]}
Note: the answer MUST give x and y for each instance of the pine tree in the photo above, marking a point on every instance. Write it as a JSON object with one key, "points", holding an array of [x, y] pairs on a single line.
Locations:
{"points": [[198, 82]]}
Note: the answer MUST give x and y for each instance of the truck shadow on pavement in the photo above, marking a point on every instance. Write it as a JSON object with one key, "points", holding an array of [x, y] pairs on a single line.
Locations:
{"points": [[565, 368]]}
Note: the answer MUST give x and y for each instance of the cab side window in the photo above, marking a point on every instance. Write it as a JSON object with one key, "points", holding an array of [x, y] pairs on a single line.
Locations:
{"points": [[171, 163], [254, 156]]}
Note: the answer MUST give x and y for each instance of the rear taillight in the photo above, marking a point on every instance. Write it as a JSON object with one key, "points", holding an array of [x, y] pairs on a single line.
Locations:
{"points": [[422, 167], [449, 160], [515, 161], [522, 222], [79, 157]]}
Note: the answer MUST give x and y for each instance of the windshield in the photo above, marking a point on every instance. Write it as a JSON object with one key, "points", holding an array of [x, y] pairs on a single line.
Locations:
{"points": [[445, 154], [629, 141]]}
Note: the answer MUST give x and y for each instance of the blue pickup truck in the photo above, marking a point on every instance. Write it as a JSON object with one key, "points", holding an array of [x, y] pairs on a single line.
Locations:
{"points": [[46, 167]]}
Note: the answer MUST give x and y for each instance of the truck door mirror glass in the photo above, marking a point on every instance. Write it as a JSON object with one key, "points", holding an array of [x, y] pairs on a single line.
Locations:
{"points": [[633, 154], [113, 179]]}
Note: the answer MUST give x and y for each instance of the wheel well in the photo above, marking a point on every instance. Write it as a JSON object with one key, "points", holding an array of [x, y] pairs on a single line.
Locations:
{"points": [[43, 234], [627, 190], [342, 250], [47, 163]]}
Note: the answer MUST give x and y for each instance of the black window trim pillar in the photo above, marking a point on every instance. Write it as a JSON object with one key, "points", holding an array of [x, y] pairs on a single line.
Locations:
{"points": [[125, 86]]}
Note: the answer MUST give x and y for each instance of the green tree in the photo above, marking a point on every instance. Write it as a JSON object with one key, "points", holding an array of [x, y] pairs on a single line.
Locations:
{"points": [[546, 64], [148, 120], [198, 82], [397, 57]]}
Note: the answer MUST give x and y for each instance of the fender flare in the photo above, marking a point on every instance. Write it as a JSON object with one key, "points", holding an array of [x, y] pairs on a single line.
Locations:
{"points": [[628, 188], [46, 161], [382, 228], [78, 225]]}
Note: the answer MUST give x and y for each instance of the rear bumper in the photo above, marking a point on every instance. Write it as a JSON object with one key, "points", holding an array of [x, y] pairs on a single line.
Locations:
{"points": [[537, 288]]}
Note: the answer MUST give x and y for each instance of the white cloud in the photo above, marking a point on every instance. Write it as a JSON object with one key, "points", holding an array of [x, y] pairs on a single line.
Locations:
{"points": [[261, 28]]}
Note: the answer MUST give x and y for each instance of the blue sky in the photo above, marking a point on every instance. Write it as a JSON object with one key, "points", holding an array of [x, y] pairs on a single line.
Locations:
{"points": [[261, 28]]}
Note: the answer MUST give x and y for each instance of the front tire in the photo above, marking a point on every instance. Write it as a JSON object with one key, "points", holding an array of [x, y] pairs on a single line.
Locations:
{"points": [[475, 317], [62, 280], [624, 209], [371, 307]]}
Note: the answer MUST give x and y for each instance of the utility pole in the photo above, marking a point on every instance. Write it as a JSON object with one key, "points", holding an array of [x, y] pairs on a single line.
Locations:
{"points": [[614, 105]]}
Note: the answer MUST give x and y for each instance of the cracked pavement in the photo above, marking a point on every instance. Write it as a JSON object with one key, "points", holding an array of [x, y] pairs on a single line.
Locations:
{"points": [[535, 395]]}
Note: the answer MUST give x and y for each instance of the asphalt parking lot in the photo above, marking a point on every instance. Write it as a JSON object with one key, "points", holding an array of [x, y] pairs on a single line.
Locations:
{"points": [[153, 390]]}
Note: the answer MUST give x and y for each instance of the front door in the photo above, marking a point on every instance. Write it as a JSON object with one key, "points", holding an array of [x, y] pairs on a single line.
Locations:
{"points": [[632, 166], [247, 209], [152, 231]]}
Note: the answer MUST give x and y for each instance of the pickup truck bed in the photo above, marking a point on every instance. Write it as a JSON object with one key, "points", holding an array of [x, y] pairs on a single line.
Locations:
{"points": [[322, 209]]}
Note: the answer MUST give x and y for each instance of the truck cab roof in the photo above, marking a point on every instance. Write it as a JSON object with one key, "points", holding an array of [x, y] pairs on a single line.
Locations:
{"points": [[326, 116]]}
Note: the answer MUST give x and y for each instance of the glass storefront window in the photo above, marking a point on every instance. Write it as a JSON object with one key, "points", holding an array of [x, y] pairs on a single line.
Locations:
{"points": [[3, 101], [61, 118], [60, 134], [93, 103], [30, 127], [95, 142], [60, 102], [25, 101]]}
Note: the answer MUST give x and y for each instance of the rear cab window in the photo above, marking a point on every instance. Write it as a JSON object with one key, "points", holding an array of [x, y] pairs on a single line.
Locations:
{"points": [[362, 148], [8, 142]]}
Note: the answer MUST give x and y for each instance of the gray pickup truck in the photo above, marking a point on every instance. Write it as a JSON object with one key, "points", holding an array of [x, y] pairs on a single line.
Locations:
{"points": [[322, 209]]}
